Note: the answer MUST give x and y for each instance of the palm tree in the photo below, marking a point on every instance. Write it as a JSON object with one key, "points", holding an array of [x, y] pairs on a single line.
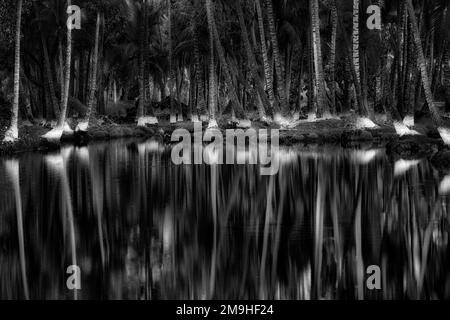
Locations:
{"points": [[12, 134], [171, 69], [252, 62], [334, 22], [56, 133], [212, 65], [277, 59], [83, 125], [444, 132], [318, 62], [362, 106], [267, 69]]}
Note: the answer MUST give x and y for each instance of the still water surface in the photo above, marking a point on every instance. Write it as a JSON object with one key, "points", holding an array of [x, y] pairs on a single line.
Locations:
{"points": [[140, 227]]}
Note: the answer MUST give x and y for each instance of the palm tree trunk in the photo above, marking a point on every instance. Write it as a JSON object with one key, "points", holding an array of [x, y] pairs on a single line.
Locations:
{"points": [[267, 69], [423, 66], [355, 46], [142, 86], [65, 94], [251, 61], [446, 72], [171, 71], [334, 23], [318, 62], [13, 132], [239, 111], [201, 103], [93, 86], [276, 55], [212, 74]]}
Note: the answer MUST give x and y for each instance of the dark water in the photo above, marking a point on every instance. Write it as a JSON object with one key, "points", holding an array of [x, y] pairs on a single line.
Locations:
{"points": [[140, 227]]}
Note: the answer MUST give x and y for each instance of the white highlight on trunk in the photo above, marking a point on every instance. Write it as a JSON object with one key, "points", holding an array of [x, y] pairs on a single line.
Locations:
{"points": [[409, 121], [54, 134], [180, 117], [445, 135], [365, 156], [194, 118], [67, 129], [212, 124], [143, 121], [173, 118], [444, 186], [12, 135], [204, 118], [82, 126], [403, 130], [244, 123], [402, 166], [365, 123]]}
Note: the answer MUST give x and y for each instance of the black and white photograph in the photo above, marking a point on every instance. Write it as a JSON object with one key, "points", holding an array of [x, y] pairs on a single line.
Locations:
{"points": [[251, 151]]}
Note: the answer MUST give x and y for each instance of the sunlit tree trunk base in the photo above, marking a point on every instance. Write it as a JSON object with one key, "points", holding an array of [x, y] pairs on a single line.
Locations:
{"points": [[173, 118], [195, 118], [180, 118], [82, 126], [149, 120], [444, 186], [365, 123], [56, 133], [445, 135], [212, 124], [402, 130], [409, 121], [12, 135]]}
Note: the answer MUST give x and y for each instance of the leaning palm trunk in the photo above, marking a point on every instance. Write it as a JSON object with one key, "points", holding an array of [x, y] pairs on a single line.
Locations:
{"points": [[84, 125], [13, 132], [239, 111], [276, 56], [444, 132], [56, 133], [318, 64], [212, 74], [267, 69], [253, 72], [446, 73]]}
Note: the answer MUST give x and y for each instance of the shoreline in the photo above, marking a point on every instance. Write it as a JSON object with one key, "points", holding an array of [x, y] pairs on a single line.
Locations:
{"points": [[326, 132]]}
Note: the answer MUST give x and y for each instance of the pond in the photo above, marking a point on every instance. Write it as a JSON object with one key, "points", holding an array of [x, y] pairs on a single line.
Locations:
{"points": [[140, 227]]}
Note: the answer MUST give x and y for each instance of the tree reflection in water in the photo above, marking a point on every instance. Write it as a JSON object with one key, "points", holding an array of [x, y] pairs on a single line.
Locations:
{"points": [[140, 227]]}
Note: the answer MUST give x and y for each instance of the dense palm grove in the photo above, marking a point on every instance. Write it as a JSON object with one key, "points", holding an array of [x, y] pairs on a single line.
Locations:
{"points": [[277, 62]]}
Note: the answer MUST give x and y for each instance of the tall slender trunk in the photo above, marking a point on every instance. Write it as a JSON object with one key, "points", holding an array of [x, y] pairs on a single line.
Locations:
{"points": [[355, 46], [13, 132], [237, 107], [171, 70], [48, 71], [93, 86], [212, 73], [142, 86], [267, 69], [334, 25], [318, 62], [276, 55], [65, 94], [423, 66], [253, 68], [446, 73]]}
